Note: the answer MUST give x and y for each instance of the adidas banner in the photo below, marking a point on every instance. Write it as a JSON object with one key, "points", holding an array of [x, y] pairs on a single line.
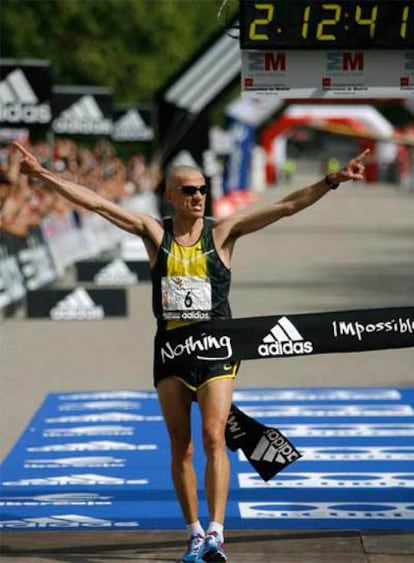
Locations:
{"points": [[266, 448], [286, 336], [132, 124], [82, 110], [116, 272], [25, 93], [77, 304]]}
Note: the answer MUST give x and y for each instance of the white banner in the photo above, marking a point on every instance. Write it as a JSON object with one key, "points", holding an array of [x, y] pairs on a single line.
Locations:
{"points": [[328, 74]]}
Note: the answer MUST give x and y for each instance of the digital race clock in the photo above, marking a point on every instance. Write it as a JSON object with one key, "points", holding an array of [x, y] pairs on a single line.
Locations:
{"points": [[321, 24]]}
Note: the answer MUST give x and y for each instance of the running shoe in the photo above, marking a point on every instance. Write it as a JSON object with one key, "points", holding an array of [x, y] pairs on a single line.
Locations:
{"points": [[212, 549], [195, 543]]}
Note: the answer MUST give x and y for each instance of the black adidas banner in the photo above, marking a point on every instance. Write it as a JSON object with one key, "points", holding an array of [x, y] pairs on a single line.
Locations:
{"points": [[286, 336], [266, 448], [82, 110], [25, 93]]}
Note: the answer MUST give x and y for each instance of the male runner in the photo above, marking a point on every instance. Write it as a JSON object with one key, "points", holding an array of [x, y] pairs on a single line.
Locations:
{"points": [[190, 258]]}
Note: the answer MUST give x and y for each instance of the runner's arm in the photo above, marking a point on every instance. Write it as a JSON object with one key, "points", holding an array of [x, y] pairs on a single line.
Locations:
{"points": [[244, 223]]}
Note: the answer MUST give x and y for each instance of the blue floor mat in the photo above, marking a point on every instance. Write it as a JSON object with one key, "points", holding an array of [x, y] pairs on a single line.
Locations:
{"points": [[100, 460]]}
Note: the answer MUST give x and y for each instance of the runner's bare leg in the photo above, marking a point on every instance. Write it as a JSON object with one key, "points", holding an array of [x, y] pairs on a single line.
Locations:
{"points": [[215, 402], [175, 400]]}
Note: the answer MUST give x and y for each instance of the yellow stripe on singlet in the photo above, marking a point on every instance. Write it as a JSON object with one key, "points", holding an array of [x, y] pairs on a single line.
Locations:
{"points": [[186, 261]]}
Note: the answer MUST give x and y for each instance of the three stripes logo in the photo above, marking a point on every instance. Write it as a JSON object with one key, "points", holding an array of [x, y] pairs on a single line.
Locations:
{"points": [[274, 447], [83, 117], [78, 305], [116, 273], [284, 340], [18, 101], [131, 127]]}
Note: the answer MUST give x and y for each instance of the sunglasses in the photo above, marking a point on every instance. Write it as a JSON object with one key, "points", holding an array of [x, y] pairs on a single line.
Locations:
{"points": [[191, 190]]}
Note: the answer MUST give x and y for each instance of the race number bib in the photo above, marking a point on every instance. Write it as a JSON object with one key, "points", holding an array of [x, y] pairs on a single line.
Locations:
{"points": [[186, 297]]}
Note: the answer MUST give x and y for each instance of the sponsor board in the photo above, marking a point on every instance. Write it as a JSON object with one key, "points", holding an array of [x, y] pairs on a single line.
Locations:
{"points": [[82, 110], [25, 93], [117, 272], [328, 73], [76, 304], [132, 124]]}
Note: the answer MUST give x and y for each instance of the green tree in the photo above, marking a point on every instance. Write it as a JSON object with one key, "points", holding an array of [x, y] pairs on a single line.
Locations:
{"points": [[132, 46]]}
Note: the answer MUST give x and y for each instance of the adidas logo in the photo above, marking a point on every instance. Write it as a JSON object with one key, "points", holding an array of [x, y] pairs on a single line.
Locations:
{"points": [[19, 103], [84, 117], [273, 447], [131, 127], [78, 305], [284, 340], [116, 273]]}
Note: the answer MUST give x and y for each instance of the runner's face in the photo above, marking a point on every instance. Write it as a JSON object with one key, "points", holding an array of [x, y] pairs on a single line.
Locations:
{"points": [[192, 204]]}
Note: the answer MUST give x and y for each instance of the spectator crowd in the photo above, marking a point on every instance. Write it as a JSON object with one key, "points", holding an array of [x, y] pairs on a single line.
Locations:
{"points": [[41, 234]]}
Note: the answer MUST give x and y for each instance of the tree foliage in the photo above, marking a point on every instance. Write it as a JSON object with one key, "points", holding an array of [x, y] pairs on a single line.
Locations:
{"points": [[132, 46]]}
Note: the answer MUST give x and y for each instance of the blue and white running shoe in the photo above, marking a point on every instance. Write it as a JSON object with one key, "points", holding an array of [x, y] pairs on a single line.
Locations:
{"points": [[212, 549], [195, 543]]}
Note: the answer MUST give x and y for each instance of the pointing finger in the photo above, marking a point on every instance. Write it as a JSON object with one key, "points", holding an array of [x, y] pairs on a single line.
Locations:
{"points": [[21, 148], [362, 155]]}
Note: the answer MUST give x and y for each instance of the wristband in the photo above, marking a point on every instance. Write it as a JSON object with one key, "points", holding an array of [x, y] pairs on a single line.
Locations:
{"points": [[331, 185]]}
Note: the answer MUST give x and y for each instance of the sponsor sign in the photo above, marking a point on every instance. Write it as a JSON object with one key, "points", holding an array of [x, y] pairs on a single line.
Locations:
{"points": [[25, 93], [132, 124], [328, 74], [82, 110], [289, 336], [78, 304], [117, 272]]}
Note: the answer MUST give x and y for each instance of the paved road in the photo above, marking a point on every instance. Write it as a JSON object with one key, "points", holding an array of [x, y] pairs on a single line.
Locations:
{"points": [[354, 249]]}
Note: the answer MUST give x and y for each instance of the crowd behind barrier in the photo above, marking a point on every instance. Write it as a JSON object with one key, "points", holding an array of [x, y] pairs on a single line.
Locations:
{"points": [[42, 234]]}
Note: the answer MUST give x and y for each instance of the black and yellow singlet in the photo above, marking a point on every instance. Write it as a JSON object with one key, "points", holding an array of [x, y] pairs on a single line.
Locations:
{"points": [[189, 284]]}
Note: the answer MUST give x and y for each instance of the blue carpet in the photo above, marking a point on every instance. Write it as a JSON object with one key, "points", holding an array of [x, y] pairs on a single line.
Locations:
{"points": [[100, 460]]}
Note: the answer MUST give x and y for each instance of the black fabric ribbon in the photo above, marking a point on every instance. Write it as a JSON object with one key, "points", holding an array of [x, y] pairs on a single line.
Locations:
{"points": [[281, 336], [266, 448], [287, 336]]}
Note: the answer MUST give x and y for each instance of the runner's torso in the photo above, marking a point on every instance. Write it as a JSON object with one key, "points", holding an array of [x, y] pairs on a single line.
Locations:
{"points": [[190, 283]]}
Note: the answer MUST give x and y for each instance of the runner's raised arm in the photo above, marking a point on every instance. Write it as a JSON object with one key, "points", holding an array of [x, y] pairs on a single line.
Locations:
{"points": [[244, 223]]}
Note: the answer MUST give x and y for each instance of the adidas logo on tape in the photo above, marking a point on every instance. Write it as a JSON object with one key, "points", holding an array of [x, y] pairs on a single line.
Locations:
{"points": [[284, 340], [116, 273], [78, 305], [18, 102], [84, 116]]}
